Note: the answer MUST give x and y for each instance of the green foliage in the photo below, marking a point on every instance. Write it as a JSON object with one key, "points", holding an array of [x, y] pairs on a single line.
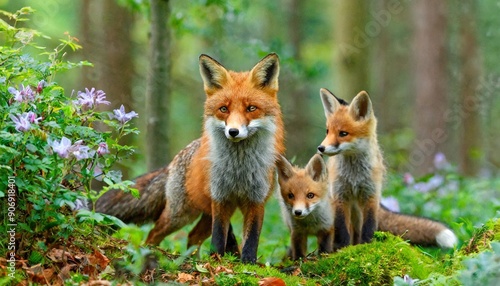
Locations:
{"points": [[371, 264], [444, 195], [484, 269], [135, 253], [50, 148]]}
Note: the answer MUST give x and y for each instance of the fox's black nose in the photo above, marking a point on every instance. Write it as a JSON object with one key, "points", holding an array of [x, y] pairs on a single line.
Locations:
{"points": [[234, 132], [321, 148], [297, 212]]}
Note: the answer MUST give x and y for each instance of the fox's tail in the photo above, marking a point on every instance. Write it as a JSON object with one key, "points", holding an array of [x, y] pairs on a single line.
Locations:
{"points": [[146, 208], [417, 230]]}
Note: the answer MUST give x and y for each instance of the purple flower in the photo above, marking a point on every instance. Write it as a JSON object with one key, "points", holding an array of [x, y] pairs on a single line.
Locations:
{"points": [[32, 117], [82, 152], [408, 179], [21, 121], [24, 94], [433, 183], [391, 203], [408, 280], [123, 117], [440, 161], [100, 97], [90, 98], [98, 173], [102, 149], [61, 147], [40, 86]]}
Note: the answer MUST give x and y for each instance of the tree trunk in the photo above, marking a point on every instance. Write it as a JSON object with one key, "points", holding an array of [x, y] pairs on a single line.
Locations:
{"points": [[431, 100], [117, 67], [470, 135], [105, 30], [294, 87], [158, 87], [91, 41], [354, 42]]}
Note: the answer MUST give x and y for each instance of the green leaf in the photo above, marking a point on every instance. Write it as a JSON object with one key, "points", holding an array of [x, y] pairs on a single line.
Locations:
{"points": [[32, 148]]}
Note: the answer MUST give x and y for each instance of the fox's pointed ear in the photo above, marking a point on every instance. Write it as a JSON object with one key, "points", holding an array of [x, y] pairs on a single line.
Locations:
{"points": [[316, 168], [330, 101], [285, 169], [265, 73], [361, 106], [214, 75]]}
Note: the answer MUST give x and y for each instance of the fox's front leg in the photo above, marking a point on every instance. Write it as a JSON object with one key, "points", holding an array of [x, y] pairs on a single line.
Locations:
{"points": [[325, 241], [221, 218], [369, 220], [203, 230], [253, 216], [342, 223], [298, 245]]}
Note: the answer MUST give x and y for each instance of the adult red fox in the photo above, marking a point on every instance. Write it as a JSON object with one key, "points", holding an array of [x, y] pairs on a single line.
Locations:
{"points": [[231, 166]]}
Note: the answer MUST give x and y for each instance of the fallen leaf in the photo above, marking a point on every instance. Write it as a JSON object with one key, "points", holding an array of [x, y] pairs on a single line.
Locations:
{"points": [[184, 277], [220, 269], [98, 283], [296, 272], [201, 268], [41, 276], [64, 273], [207, 281], [97, 258], [59, 255], [271, 281]]}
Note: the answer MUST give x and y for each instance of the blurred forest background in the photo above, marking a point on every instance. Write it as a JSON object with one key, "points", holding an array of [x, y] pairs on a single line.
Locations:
{"points": [[432, 69]]}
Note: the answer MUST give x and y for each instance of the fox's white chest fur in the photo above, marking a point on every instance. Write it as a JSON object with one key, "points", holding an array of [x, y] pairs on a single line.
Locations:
{"points": [[353, 178], [241, 170]]}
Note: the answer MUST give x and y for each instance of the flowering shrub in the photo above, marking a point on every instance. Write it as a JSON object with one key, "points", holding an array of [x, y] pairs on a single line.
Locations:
{"points": [[462, 203], [50, 150]]}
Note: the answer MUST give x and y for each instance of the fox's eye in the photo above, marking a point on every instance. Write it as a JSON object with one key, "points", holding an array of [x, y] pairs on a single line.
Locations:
{"points": [[290, 196], [251, 108], [310, 195], [326, 131], [223, 109], [343, 133]]}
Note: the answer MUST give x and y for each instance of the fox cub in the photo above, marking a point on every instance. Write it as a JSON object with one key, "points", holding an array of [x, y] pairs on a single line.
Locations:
{"points": [[356, 169], [306, 205], [307, 209], [356, 172]]}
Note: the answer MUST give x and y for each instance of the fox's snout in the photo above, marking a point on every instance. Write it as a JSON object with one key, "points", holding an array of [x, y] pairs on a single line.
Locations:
{"points": [[233, 132], [236, 134], [329, 150], [300, 212]]}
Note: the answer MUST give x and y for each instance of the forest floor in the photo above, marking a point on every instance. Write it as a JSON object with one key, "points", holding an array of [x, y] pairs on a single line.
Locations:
{"points": [[96, 255]]}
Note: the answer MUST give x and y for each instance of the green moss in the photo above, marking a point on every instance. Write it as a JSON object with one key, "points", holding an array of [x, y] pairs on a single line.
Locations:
{"points": [[375, 263], [482, 238], [248, 274]]}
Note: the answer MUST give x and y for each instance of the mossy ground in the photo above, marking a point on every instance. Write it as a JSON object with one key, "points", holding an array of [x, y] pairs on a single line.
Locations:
{"points": [[376, 263]]}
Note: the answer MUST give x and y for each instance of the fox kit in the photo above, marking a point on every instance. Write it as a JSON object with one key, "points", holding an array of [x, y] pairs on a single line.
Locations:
{"points": [[231, 166], [356, 172], [355, 169], [306, 205], [307, 209]]}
